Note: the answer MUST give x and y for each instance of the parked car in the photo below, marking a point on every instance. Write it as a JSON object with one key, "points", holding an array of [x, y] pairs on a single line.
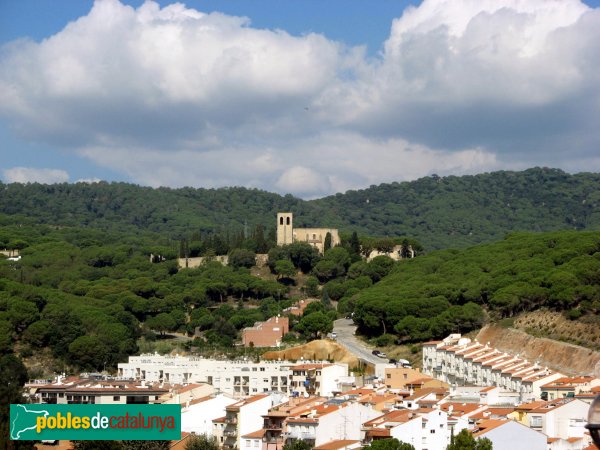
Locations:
{"points": [[392, 361], [376, 352], [333, 335], [382, 355]]}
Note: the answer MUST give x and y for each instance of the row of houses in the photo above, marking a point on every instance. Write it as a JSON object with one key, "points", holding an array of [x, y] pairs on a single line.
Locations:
{"points": [[458, 360]]}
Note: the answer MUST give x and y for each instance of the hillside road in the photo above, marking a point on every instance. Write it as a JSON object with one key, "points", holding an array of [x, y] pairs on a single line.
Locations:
{"points": [[345, 329]]}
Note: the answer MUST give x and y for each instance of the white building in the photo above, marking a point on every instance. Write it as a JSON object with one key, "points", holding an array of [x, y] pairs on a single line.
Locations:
{"points": [[238, 378], [424, 429], [244, 417], [458, 360], [330, 422], [321, 379], [563, 419], [197, 415], [511, 435]]}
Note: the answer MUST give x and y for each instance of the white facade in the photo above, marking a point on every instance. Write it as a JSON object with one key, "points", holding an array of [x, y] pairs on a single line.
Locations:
{"points": [[567, 420], [236, 378], [197, 417], [409, 432], [321, 379], [342, 423], [460, 361], [513, 436]]}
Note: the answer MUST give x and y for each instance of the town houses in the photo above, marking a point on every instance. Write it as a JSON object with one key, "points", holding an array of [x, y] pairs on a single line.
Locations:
{"points": [[249, 405]]}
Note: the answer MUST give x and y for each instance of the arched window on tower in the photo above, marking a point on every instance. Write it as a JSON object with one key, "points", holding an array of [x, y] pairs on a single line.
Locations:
{"points": [[281, 221], [287, 221]]}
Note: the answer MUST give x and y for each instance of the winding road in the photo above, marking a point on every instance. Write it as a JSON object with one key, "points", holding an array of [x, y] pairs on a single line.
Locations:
{"points": [[345, 329]]}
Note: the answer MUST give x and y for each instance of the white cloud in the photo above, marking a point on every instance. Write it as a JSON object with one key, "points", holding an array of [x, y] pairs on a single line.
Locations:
{"points": [[174, 96], [34, 175]]}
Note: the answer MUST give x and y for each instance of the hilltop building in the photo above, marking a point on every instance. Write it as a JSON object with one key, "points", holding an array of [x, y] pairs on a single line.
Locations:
{"points": [[266, 334], [287, 234]]}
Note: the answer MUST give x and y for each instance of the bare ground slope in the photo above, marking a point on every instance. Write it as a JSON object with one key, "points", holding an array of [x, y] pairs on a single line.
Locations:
{"points": [[566, 358], [320, 350]]}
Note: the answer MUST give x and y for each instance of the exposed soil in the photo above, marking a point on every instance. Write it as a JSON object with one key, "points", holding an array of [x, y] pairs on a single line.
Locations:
{"points": [[322, 349], [561, 356]]}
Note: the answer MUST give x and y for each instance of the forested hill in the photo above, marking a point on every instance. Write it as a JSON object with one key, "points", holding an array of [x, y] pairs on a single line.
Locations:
{"points": [[438, 211]]}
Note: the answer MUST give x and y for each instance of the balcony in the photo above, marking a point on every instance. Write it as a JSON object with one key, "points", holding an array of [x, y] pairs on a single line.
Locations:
{"points": [[304, 435], [230, 433], [231, 420], [273, 426]]}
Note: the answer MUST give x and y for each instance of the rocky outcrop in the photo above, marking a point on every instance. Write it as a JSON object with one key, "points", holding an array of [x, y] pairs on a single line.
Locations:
{"points": [[566, 358]]}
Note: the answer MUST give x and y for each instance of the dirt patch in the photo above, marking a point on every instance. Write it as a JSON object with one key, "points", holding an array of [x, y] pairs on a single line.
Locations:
{"points": [[315, 350], [554, 325], [566, 358]]}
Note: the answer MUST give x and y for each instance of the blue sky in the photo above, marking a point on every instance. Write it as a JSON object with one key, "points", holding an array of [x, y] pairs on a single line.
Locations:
{"points": [[337, 99]]}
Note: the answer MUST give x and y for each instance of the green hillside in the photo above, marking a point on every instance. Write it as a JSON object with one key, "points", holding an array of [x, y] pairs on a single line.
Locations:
{"points": [[454, 290], [440, 212]]}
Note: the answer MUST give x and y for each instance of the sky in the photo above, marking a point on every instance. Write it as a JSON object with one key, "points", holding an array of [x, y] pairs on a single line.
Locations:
{"points": [[304, 97]]}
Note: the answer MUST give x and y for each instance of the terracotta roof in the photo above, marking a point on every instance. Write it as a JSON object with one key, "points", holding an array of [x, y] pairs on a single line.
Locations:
{"points": [[198, 400], [395, 416], [530, 406], [379, 432], [219, 420], [335, 445], [550, 406], [487, 425], [258, 434], [238, 405], [498, 412], [424, 392]]}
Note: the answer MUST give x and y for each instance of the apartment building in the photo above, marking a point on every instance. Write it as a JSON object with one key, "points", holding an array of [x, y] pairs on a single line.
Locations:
{"points": [[565, 418], [75, 390], [322, 379], [244, 417], [330, 421], [197, 415], [567, 387], [510, 435], [237, 378], [266, 334], [458, 360]]}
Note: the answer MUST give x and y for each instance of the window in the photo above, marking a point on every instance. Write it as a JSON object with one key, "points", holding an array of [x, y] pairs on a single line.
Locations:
{"points": [[116, 398], [432, 431], [262, 369], [256, 443], [287, 221], [406, 376], [254, 369], [281, 221], [247, 442], [535, 421], [389, 375]]}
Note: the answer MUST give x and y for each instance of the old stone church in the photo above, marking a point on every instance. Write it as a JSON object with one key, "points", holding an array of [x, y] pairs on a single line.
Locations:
{"points": [[287, 234]]}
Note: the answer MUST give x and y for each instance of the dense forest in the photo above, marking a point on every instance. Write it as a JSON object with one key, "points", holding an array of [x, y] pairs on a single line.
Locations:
{"points": [[440, 212], [458, 290], [85, 298]]}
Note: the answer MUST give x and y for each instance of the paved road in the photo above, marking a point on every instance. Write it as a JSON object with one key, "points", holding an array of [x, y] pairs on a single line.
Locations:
{"points": [[345, 328]]}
